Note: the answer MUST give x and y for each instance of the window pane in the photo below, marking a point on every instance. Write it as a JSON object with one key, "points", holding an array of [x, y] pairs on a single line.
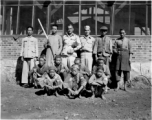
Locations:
{"points": [[138, 20], [10, 20], [57, 16], [41, 13], [72, 2], [88, 18], [1, 19], [121, 18], [103, 17], [25, 19], [149, 20], [72, 17]]}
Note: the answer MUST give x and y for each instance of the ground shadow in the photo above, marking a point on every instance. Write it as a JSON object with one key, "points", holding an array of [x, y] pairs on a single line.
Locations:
{"points": [[18, 70]]}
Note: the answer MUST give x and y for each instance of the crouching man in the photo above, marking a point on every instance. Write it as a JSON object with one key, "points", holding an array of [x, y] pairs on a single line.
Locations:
{"points": [[98, 83], [38, 71], [74, 83], [51, 82]]}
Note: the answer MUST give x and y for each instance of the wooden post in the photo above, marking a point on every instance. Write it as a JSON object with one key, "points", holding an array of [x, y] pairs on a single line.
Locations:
{"points": [[18, 17], [3, 21], [80, 18], [63, 17], [96, 17], [129, 17], [33, 15], [146, 29], [48, 19]]}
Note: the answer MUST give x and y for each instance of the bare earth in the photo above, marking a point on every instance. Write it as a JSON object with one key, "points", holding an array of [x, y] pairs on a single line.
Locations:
{"points": [[23, 103]]}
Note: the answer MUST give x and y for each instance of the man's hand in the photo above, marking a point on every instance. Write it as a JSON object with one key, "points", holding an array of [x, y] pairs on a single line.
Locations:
{"points": [[76, 92]]}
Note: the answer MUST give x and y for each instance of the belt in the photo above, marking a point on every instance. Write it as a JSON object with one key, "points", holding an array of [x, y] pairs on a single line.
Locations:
{"points": [[122, 49], [85, 51]]}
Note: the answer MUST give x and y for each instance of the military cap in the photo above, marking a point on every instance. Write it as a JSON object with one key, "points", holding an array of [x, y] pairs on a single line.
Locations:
{"points": [[103, 28]]}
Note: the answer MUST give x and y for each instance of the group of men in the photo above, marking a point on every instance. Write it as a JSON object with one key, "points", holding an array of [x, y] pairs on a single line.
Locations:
{"points": [[73, 64]]}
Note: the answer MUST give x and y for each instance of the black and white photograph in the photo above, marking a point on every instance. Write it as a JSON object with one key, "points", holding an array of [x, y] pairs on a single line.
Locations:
{"points": [[76, 59]]}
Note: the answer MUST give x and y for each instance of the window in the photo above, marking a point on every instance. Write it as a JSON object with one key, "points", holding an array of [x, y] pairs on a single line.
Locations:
{"points": [[88, 18], [149, 20], [9, 22], [41, 14], [138, 20], [72, 17], [57, 16], [103, 16], [121, 15]]}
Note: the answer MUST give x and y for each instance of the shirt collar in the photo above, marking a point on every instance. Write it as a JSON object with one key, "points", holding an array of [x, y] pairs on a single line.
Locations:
{"points": [[70, 35], [87, 36], [30, 36]]}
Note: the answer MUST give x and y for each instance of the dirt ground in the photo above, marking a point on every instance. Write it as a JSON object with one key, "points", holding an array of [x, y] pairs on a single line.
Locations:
{"points": [[24, 103]]}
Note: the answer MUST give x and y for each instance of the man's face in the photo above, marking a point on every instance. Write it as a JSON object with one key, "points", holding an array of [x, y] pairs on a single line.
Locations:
{"points": [[77, 62], [70, 29], [41, 61], [54, 29], [99, 73], [74, 71], [87, 31], [52, 73], [29, 31], [122, 33], [103, 32], [58, 61]]}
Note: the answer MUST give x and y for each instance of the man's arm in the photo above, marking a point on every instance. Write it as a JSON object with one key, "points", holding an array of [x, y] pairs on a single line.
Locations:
{"points": [[83, 84], [130, 50], [79, 44], [37, 52]]}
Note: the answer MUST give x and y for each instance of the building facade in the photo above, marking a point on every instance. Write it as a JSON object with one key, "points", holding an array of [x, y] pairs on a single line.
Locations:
{"points": [[133, 16]]}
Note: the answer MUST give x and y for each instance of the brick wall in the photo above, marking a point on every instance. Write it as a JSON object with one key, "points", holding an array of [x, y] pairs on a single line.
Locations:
{"points": [[10, 49]]}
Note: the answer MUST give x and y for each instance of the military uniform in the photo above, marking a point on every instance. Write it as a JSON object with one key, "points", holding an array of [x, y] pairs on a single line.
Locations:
{"points": [[87, 44], [70, 42], [29, 51]]}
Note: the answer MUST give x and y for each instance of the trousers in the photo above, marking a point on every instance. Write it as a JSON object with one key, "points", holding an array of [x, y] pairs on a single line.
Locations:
{"points": [[87, 60]]}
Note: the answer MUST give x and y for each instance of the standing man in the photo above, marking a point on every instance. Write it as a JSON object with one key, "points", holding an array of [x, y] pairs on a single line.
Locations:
{"points": [[122, 47], [53, 46], [71, 43], [29, 54], [87, 44], [103, 46]]}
